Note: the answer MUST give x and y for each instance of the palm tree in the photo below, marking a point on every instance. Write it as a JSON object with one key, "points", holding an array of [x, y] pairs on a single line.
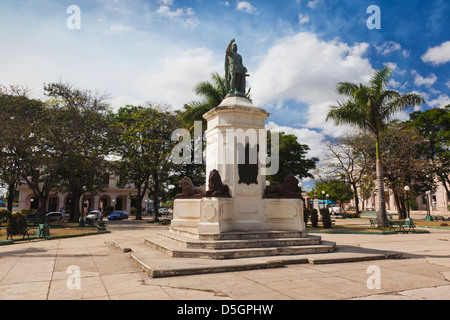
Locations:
{"points": [[370, 108], [212, 92]]}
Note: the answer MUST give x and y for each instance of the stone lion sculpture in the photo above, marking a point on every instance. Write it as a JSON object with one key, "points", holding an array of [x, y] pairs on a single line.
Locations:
{"points": [[189, 190], [216, 187], [285, 190]]}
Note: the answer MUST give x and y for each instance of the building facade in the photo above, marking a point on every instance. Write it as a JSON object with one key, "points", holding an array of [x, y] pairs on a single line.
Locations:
{"points": [[437, 201], [120, 197]]}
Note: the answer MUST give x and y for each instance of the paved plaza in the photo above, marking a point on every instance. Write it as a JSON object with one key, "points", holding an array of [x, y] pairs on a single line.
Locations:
{"points": [[45, 270]]}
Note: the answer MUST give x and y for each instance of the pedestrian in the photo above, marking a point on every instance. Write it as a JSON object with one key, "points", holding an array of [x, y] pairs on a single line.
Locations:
{"points": [[63, 214]]}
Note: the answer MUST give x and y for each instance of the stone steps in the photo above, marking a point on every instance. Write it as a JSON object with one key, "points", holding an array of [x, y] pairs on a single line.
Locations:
{"points": [[236, 244], [164, 258], [193, 234]]}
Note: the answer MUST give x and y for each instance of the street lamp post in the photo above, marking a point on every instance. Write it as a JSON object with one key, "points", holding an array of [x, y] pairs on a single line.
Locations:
{"points": [[429, 217], [323, 193], [407, 198]]}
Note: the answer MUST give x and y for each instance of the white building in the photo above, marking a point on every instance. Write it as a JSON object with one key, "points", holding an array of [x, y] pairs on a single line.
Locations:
{"points": [[437, 201], [120, 197]]}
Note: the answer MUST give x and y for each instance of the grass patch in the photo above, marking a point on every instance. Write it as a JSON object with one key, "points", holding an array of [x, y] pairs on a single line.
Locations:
{"points": [[356, 229], [57, 231]]}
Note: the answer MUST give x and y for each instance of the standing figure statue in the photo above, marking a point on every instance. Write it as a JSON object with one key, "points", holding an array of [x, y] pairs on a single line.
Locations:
{"points": [[235, 72]]}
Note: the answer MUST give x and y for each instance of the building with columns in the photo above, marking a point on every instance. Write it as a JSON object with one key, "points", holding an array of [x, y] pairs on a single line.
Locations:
{"points": [[120, 197], [437, 201]]}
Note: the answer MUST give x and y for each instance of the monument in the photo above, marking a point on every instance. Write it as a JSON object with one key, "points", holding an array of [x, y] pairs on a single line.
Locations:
{"points": [[237, 198]]}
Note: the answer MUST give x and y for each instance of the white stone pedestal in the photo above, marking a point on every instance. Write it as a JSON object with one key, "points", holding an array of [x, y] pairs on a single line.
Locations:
{"points": [[233, 124]]}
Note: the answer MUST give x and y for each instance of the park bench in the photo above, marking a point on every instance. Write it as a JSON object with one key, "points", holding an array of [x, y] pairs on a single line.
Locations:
{"points": [[410, 225], [373, 222], [24, 234], [402, 226], [396, 226]]}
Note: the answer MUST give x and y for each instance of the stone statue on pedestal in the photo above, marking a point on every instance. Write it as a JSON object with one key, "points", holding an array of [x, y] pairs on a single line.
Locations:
{"points": [[235, 72]]}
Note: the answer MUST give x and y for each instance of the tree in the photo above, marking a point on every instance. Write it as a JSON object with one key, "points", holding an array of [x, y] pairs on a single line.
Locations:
{"points": [[350, 160], [292, 158], [406, 163], [434, 125], [80, 133], [212, 94], [337, 190], [370, 108], [144, 148], [37, 160], [13, 99]]}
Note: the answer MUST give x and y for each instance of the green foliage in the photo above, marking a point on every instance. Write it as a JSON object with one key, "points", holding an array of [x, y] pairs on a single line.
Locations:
{"points": [[108, 210], [4, 214], [291, 157], [336, 189], [306, 214], [144, 148], [326, 218], [371, 108], [314, 218], [16, 224], [412, 203]]}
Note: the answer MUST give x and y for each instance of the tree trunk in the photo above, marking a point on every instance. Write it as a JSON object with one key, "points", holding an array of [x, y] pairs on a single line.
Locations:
{"points": [[382, 217], [355, 190], [11, 195]]}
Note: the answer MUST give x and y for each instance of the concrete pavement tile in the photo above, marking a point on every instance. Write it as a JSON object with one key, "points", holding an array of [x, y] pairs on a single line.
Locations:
{"points": [[244, 287], [90, 288], [267, 295], [64, 275], [145, 295], [384, 297], [24, 291], [194, 294], [436, 293], [120, 284], [306, 290]]}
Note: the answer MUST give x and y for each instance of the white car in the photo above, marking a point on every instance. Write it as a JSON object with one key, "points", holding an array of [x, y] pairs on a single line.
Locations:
{"points": [[335, 210], [94, 216]]}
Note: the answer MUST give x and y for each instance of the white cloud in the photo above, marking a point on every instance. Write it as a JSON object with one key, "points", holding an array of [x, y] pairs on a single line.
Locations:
{"points": [[389, 47], [119, 28], [186, 16], [421, 81], [174, 82], [246, 6], [312, 4], [440, 102], [438, 55], [448, 84], [305, 69], [305, 136], [303, 18]]}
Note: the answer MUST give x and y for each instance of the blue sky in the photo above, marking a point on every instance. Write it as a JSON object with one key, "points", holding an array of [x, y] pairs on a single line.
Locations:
{"points": [[295, 50]]}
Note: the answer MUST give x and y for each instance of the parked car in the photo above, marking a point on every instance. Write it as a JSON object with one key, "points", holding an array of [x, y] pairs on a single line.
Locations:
{"points": [[54, 216], [118, 215], [94, 216], [32, 216], [335, 210], [163, 211]]}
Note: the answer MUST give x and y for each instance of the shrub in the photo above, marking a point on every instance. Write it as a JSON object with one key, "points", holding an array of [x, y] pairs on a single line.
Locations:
{"points": [[306, 214], [314, 218], [16, 224], [108, 210], [4, 214], [133, 211], [326, 218]]}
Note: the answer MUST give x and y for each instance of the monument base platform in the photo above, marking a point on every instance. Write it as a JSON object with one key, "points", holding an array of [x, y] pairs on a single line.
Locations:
{"points": [[177, 252]]}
